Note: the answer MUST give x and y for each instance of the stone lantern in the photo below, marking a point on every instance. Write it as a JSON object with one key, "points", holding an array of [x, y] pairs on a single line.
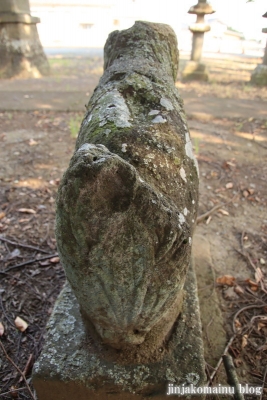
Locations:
{"points": [[259, 75], [21, 52], [195, 70]]}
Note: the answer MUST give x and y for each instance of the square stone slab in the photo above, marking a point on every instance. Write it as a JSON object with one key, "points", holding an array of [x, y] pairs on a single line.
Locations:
{"points": [[73, 366]]}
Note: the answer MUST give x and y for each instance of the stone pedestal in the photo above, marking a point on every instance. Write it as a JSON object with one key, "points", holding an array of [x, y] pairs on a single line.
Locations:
{"points": [[259, 75], [21, 52], [74, 366], [195, 70]]}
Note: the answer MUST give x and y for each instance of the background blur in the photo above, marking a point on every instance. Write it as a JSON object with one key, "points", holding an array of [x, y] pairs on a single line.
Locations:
{"points": [[235, 27]]}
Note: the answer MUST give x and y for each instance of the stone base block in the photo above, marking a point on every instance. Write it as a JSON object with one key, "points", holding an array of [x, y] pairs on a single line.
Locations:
{"points": [[259, 75], [74, 366], [22, 55], [195, 71]]}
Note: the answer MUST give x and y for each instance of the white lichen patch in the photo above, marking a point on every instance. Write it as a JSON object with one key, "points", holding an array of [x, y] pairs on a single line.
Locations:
{"points": [[166, 104], [87, 120], [189, 150], [159, 120], [123, 147], [183, 174], [86, 147], [113, 108], [186, 211], [181, 219], [153, 112]]}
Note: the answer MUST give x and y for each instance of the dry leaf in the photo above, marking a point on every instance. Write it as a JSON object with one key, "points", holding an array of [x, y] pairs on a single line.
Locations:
{"points": [[258, 275], [44, 263], [251, 191], [231, 164], [208, 220], [262, 261], [2, 215], [21, 324], [253, 285], [13, 392], [262, 324], [244, 341], [237, 324], [54, 260], [223, 212], [228, 280], [32, 142], [238, 362], [229, 185], [239, 290], [2, 329], [27, 210], [245, 193]]}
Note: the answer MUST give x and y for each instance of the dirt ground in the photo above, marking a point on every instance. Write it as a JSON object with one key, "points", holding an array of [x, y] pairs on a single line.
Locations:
{"points": [[35, 148]]}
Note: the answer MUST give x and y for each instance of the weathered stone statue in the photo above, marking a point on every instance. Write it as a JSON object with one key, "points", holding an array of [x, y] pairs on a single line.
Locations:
{"points": [[127, 204], [126, 209]]}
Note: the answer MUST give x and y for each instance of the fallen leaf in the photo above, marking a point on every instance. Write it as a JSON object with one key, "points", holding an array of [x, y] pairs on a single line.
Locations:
{"points": [[228, 280], [21, 324], [208, 220], [262, 261], [237, 323], [2, 329], [244, 341], [32, 142], [27, 210], [13, 392], [223, 212], [258, 275], [238, 362], [245, 193], [44, 263], [231, 164], [230, 293], [229, 185], [54, 260], [251, 191], [253, 285], [262, 324], [2, 215], [239, 290]]}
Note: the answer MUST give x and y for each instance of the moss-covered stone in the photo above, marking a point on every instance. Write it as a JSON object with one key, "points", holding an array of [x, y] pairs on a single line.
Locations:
{"points": [[75, 366], [127, 204]]}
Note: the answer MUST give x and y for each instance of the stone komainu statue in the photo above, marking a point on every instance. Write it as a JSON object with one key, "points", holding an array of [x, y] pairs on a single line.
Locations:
{"points": [[127, 203]]}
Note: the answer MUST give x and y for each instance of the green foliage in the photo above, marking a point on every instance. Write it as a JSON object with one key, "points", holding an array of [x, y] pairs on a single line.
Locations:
{"points": [[74, 126], [196, 145]]}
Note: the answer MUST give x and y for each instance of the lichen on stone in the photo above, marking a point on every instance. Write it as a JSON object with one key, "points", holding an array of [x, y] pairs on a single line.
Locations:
{"points": [[121, 226]]}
